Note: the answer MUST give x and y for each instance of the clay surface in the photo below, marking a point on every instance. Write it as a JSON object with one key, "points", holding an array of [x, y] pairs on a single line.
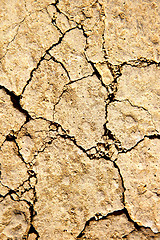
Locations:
{"points": [[113, 227], [14, 219], [11, 119], [139, 168], [74, 187], [80, 120]]}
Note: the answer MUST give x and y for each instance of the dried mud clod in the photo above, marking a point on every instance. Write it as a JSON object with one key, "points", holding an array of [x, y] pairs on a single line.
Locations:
{"points": [[79, 120]]}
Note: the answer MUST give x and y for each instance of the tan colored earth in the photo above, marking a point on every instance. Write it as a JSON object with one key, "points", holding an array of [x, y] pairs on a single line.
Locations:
{"points": [[79, 120]]}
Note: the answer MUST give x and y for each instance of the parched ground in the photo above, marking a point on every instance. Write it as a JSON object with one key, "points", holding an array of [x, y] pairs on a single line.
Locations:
{"points": [[80, 119]]}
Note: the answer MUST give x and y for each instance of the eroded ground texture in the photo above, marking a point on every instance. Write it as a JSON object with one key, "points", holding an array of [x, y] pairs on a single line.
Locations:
{"points": [[80, 119]]}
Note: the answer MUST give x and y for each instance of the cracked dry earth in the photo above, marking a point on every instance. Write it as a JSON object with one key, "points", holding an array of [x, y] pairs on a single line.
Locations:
{"points": [[80, 120]]}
